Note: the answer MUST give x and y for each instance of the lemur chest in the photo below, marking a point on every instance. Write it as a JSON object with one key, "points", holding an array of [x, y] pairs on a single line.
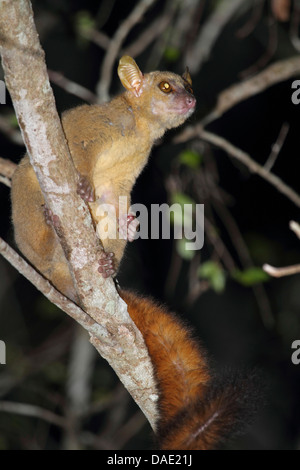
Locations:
{"points": [[119, 165]]}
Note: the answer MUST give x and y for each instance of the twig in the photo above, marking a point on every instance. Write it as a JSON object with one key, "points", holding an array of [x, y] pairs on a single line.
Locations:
{"points": [[294, 28], [149, 35], [269, 52], [280, 272], [257, 12], [211, 31], [97, 37], [274, 73], [295, 227], [289, 270], [244, 255], [130, 429], [219, 246], [141, 42], [49, 291], [78, 387], [33, 411], [186, 22], [11, 133], [115, 45], [190, 24], [276, 148], [216, 199], [242, 157], [5, 181], [196, 287], [72, 87], [234, 233]]}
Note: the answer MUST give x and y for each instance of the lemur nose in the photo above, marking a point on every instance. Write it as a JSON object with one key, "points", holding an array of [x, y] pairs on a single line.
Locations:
{"points": [[190, 101]]}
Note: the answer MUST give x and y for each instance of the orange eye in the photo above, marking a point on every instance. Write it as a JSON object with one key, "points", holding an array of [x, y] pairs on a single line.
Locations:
{"points": [[165, 87]]}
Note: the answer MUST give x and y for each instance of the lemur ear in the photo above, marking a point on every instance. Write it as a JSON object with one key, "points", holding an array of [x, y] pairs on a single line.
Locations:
{"points": [[130, 75], [187, 76]]}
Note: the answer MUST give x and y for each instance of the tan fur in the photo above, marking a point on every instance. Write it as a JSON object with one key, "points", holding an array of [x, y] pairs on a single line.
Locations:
{"points": [[110, 145]]}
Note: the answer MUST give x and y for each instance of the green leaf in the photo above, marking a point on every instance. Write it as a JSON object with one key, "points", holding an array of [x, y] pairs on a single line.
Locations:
{"points": [[84, 22], [213, 272], [181, 200], [251, 276], [190, 158], [176, 215], [172, 54], [182, 250], [46, 309], [13, 121]]}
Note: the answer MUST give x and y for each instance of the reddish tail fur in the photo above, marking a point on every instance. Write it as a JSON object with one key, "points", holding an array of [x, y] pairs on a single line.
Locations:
{"points": [[195, 413]]}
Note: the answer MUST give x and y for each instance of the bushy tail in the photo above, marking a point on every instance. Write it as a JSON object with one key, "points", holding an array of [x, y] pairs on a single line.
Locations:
{"points": [[197, 411], [222, 412]]}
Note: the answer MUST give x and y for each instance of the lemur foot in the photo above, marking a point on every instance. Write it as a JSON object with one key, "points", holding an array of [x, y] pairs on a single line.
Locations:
{"points": [[85, 190], [106, 265], [50, 218]]}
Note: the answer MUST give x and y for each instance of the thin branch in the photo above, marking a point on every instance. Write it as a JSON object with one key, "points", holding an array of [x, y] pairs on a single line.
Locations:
{"points": [[245, 258], [5, 181], [72, 87], [295, 227], [242, 157], [97, 37], [289, 270], [256, 15], [219, 246], [115, 46], [269, 52], [33, 411], [189, 24], [274, 73], [78, 387], [211, 31], [276, 148], [280, 272], [49, 291], [185, 24], [149, 35], [14, 135], [130, 429], [294, 28]]}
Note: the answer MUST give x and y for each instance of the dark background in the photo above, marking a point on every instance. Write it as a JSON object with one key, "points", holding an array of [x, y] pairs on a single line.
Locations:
{"points": [[242, 326]]}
